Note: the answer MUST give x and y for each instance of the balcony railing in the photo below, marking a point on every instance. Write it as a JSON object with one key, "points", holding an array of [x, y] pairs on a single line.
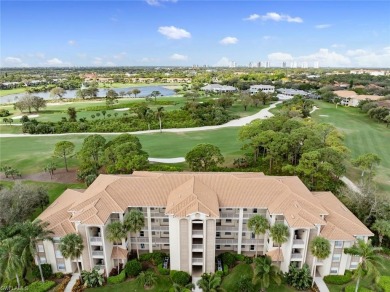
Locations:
{"points": [[229, 215], [226, 241], [197, 261], [97, 253], [252, 241], [95, 239], [197, 233], [227, 228], [296, 256], [100, 267], [197, 247], [298, 242], [279, 221]]}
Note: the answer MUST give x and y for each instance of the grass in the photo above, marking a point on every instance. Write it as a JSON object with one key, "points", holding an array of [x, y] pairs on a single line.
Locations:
{"points": [[5, 92], [362, 135], [163, 284], [31, 154], [229, 282]]}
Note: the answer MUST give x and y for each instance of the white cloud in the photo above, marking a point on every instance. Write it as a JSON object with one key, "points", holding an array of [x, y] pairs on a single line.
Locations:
{"points": [[379, 58], [322, 26], [356, 53], [252, 17], [159, 2], [172, 32], [178, 57], [326, 58], [54, 62], [229, 41], [278, 56], [71, 42], [223, 62], [120, 56], [279, 17]]}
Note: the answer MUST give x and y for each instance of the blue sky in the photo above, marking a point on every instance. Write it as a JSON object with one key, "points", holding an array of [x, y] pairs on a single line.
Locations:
{"points": [[181, 33]]}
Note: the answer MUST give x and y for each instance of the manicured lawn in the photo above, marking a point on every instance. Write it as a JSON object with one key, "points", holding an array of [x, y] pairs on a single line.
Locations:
{"points": [[163, 285], [31, 154], [4, 92], [362, 135], [229, 282]]}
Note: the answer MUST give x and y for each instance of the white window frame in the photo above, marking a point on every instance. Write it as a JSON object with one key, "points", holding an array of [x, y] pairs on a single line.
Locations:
{"points": [[336, 258], [334, 271], [338, 244], [58, 254], [61, 266]]}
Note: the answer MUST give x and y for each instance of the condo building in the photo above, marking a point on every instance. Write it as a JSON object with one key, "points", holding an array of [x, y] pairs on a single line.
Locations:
{"points": [[196, 216]]}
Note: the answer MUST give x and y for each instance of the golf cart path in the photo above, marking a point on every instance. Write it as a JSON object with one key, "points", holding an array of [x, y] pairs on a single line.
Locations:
{"points": [[262, 114]]}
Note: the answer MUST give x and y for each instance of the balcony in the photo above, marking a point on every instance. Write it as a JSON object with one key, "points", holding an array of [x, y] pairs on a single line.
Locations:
{"points": [[97, 254], [227, 228], [279, 221], [229, 215], [253, 241], [298, 243], [296, 256], [99, 267], [220, 241], [197, 261], [197, 233], [319, 262], [95, 240], [197, 247]]}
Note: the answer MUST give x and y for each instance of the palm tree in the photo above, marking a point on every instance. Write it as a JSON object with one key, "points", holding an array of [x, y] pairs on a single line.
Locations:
{"points": [[147, 279], [10, 263], [279, 233], [320, 248], [187, 288], [133, 222], [71, 246], [31, 234], [265, 272], [159, 115], [383, 228], [370, 260], [258, 225], [135, 91], [210, 283], [154, 94], [115, 233]]}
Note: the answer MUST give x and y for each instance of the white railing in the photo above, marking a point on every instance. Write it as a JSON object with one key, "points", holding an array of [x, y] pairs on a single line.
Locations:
{"points": [[197, 232], [252, 241], [296, 256], [97, 253], [229, 215], [197, 246], [226, 241], [298, 242], [197, 260], [280, 221], [100, 267], [95, 239], [227, 228]]}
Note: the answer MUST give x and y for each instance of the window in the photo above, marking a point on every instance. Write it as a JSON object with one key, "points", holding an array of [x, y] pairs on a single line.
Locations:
{"points": [[58, 254], [165, 232], [245, 209], [228, 220], [255, 210], [353, 266], [152, 220], [228, 233], [141, 233], [336, 257], [253, 236], [165, 220], [218, 247], [153, 232], [227, 245], [218, 234], [42, 260], [229, 209], [142, 245], [338, 244], [242, 246], [334, 271], [40, 248], [252, 247], [60, 266]]}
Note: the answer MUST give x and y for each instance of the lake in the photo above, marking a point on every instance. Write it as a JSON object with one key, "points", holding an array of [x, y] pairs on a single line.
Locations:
{"points": [[145, 91]]}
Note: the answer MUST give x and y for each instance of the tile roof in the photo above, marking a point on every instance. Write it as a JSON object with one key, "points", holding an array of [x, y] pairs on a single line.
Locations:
{"points": [[186, 193], [275, 255], [118, 253], [341, 224], [353, 94]]}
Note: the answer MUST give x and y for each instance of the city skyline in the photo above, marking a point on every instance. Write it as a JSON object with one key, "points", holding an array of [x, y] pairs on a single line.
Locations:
{"points": [[184, 33]]}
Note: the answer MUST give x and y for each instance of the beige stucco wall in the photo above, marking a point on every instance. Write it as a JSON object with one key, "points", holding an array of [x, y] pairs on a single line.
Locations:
{"points": [[209, 241]]}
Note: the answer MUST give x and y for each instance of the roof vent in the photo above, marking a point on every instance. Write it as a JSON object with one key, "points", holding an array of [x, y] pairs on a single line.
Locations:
{"points": [[296, 205], [292, 216]]}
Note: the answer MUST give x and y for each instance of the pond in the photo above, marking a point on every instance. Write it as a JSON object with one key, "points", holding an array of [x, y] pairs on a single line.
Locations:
{"points": [[145, 91]]}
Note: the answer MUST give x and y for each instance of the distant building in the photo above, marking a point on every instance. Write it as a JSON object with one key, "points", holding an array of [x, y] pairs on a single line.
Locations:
{"points": [[370, 72], [351, 98], [218, 88], [264, 88], [288, 93]]}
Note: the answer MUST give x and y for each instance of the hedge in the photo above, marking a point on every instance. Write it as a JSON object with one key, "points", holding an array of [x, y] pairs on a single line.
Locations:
{"points": [[162, 270], [225, 269], [338, 279], [219, 274], [180, 277], [133, 268], [154, 257], [38, 286], [351, 288], [117, 279], [228, 258], [384, 283]]}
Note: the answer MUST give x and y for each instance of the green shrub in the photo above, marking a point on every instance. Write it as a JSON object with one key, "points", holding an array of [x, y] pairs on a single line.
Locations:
{"points": [[162, 270], [133, 268], [117, 279], [351, 288], [13, 283], [155, 257], [38, 286], [225, 269], [228, 258], [248, 260], [59, 275], [180, 277], [46, 271], [339, 279], [4, 113], [239, 257], [384, 283], [219, 274]]}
